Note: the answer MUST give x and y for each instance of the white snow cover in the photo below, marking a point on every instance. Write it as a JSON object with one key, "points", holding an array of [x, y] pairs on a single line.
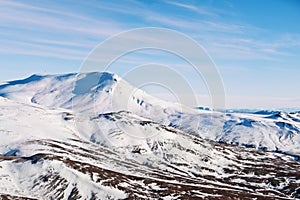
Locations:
{"points": [[95, 93], [20, 122], [37, 117]]}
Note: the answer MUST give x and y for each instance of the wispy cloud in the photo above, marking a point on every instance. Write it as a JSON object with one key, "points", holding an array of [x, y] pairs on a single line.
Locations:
{"points": [[35, 30], [197, 9], [13, 14], [66, 29], [36, 22], [25, 48], [18, 5]]}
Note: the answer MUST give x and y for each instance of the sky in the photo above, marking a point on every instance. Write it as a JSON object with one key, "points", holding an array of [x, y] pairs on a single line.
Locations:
{"points": [[255, 45]]}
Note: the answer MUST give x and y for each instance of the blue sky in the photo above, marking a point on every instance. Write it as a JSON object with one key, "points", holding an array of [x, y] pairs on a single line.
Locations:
{"points": [[255, 44]]}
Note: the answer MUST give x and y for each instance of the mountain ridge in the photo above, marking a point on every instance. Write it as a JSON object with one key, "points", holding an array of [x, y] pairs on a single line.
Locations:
{"points": [[101, 92]]}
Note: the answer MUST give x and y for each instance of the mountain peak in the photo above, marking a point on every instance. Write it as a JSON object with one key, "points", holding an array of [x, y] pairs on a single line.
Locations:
{"points": [[92, 81]]}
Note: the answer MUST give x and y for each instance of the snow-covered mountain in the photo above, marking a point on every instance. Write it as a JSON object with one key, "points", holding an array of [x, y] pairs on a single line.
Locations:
{"points": [[94, 136], [45, 156], [95, 93]]}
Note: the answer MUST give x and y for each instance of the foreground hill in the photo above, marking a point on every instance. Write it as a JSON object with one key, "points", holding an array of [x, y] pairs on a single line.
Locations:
{"points": [[45, 154]]}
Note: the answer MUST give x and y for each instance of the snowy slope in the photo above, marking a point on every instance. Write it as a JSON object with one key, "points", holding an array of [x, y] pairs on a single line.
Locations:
{"points": [[20, 122], [43, 155], [95, 93], [89, 93]]}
